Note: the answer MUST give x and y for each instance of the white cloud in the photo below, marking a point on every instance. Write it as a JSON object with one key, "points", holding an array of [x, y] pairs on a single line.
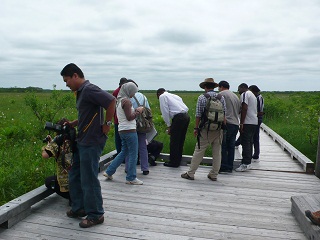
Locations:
{"points": [[171, 44]]}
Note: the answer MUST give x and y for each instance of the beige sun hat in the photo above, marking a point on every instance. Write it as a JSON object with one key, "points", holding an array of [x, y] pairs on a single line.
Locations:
{"points": [[209, 83]]}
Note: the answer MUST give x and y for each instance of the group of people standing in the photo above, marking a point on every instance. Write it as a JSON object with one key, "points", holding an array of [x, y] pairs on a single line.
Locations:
{"points": [[96, 109], [241, 115]]}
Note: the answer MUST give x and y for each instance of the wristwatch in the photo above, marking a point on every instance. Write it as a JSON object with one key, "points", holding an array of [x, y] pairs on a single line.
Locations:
{"points": [[108, 123]]}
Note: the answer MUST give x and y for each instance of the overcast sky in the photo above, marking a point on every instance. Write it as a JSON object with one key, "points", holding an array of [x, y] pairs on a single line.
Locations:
{"points": [[274, 44]]}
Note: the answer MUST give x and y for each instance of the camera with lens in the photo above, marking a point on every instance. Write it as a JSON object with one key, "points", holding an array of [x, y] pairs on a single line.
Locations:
{"points": [[64, 132]]}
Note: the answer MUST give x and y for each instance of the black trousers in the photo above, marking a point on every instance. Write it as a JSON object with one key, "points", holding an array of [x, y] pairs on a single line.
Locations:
{"points": [[178, 129], [51, 182], [247, 142]]}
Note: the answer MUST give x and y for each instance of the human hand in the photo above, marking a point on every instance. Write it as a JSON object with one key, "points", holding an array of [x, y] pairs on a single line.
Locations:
{"points": [[139, 109]]}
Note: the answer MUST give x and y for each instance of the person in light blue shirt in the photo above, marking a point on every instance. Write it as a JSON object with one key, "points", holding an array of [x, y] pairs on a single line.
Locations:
{"points": [[142, 143]]}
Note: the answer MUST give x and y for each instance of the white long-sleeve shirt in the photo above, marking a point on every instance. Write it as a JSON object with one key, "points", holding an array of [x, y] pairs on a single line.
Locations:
{"points": [[170, 105]]}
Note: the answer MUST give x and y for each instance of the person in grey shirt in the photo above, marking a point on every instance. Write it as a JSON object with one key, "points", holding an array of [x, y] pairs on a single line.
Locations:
{"points": [[232, 127], [84, 185]]}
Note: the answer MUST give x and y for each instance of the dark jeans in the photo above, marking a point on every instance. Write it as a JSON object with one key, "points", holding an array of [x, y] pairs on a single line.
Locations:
{"points": [[227, 148], [256, 140], [179, 127], [84, 185], [247, 142]]}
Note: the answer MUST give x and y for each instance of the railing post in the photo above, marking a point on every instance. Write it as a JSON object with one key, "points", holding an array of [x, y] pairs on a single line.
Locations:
{"points": [[317, 170]]}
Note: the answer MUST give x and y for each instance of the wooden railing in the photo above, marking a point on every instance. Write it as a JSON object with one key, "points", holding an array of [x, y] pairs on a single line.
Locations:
{"points": [[308, 165]]}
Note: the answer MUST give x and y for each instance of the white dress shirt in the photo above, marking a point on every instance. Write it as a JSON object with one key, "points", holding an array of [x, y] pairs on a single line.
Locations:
{"points": [[170, 105]]}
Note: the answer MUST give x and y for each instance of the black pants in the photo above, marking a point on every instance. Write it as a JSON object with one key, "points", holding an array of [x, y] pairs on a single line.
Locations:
{"points": [[179, 127], [256, 140], [247, 142], [52, 183]]}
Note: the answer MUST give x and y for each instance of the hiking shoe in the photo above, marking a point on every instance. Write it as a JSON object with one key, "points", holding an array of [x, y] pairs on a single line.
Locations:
{"points": [[78, 214], [136, 181], [313, 216], [86, 223], [212, 178], [107, 176], [243, 167], [186, 176]]}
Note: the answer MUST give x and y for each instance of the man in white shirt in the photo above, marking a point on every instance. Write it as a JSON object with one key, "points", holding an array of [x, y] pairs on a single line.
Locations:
{"points": [[248, 125], [175, 115]]}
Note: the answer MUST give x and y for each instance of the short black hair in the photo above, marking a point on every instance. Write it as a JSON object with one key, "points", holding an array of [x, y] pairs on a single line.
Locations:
{"points": [[224, 84], [254, 88], [243, 85], [71, 69], [123, 80], [160, 91]]}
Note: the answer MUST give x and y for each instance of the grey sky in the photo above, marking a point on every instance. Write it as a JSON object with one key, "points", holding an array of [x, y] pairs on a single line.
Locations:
{"points": [[274, 44]]}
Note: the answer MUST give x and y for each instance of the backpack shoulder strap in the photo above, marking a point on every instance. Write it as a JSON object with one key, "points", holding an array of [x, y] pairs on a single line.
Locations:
{"points": [[144, 101], [137, 101], [219, 96], [207, 95]]}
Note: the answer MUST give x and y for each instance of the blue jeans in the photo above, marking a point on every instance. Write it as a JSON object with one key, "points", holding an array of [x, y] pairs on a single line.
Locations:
{"points": [[143, 152], [227, 148], [84, 185], [129, 147]]}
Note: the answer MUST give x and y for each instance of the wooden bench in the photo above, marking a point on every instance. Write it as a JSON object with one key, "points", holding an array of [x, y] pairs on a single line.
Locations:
{"points": [[299, 205]]}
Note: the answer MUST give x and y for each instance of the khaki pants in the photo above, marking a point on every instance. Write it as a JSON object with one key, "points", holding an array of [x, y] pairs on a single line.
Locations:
{"points": [[213, 138]]}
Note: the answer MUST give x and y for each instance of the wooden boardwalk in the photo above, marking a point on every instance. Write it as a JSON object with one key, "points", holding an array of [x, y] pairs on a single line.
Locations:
{"points": [[249, 205]]}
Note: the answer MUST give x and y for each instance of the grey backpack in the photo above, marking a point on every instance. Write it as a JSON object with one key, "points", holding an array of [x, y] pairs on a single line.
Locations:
{"points": [[144, 120]]}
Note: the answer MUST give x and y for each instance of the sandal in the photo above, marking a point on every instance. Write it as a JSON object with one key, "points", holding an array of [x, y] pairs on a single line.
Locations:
{"points": [[212, 178], [86, 223], [186, 176]]}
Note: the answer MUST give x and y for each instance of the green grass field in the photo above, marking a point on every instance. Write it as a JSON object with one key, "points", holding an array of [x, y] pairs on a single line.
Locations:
{"points": [[292, 115]]}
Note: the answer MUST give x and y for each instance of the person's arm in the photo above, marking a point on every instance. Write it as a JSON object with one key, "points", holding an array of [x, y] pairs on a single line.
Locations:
{"points": [[196, 128], [164, 108], [45, 153], [73, 123], [109, 114], [127, 108]]}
